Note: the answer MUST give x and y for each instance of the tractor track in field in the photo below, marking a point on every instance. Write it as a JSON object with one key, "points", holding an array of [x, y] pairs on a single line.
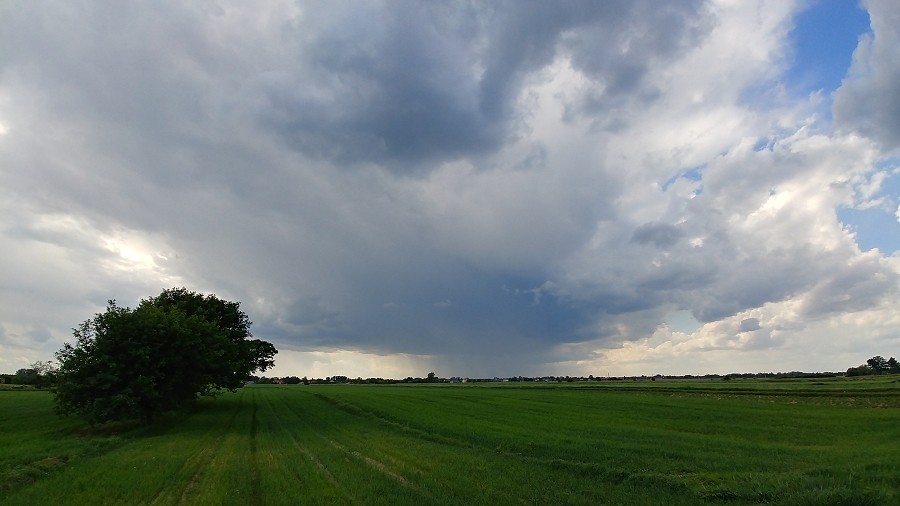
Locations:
{"points": [[206, 456], [306, 452], [255, 491], [199, 461], [372, 463], [301, 448], [417, 432]]}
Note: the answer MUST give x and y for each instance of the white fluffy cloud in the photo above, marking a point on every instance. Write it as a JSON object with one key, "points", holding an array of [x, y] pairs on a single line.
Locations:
{"points": [[469, 189]]}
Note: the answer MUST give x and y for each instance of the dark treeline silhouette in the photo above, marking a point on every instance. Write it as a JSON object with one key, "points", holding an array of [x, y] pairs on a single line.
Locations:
{"points": [[875, 365], [42, 374], [344, 380]]}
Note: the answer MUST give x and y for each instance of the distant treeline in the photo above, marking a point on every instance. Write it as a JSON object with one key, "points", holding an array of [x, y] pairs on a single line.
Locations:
{"points": [[873, 366], [41, 374], [343, 380]]}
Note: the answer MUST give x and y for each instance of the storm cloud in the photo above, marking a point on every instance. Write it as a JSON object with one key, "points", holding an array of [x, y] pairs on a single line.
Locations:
{"points": [[471, 188]]}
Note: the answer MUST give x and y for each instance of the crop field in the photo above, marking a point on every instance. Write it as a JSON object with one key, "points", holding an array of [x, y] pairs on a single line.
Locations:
{"points": [[815, 442]]}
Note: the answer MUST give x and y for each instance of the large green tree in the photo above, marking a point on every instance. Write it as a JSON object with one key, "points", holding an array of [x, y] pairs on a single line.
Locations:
{"points": [[169, 350]]}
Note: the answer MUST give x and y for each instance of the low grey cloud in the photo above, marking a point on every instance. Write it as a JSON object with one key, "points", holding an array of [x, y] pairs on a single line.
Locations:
{"points": [[660, 234], [854, 287], [749, 325]]}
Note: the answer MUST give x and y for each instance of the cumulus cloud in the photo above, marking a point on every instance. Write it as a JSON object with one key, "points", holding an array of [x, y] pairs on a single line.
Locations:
{"points": [[869, 99], [491, 188]]}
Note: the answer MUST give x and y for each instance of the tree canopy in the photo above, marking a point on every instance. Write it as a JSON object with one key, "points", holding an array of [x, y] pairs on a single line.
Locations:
{"points": [[165, 353], [876, 365]]}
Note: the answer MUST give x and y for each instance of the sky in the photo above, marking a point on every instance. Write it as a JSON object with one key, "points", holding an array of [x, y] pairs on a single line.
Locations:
{"points": [[467, 188]]}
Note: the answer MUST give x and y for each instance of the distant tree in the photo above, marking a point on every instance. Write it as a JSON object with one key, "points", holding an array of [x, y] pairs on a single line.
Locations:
{"points": [[171, 349], [44, 373], [893, 365], [432, 377], [878, 364], [26, 376]]}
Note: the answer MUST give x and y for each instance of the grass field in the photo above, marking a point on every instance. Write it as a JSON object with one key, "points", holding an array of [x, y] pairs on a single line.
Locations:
{"points": [[813, 442]]}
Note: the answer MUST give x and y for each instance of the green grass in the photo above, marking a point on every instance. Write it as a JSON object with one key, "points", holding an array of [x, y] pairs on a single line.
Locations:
{"points": [[35, 443], [811, 442]]}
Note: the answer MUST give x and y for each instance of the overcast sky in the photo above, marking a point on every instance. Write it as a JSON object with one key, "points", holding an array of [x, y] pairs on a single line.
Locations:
{"points": [[470, 188]]}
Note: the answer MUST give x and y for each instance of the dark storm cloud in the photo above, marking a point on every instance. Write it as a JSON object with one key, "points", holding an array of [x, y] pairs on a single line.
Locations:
{"points": [[379, 82], [438, 306], [664, 31], [416, 83]]}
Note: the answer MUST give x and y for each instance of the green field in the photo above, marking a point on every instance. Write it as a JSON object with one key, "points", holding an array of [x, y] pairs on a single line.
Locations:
{"points": [[813, 442]]}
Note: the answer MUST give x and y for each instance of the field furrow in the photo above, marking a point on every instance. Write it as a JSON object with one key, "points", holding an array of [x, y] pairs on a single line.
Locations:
{"points": [[323, 431], [194, 465], [291, 467]]}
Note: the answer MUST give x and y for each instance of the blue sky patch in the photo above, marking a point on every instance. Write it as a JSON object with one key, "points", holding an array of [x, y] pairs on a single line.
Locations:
{"points": [[683, 321], [823, 40], [878, 227], [691, 174], [763, 144], [875, 228]]}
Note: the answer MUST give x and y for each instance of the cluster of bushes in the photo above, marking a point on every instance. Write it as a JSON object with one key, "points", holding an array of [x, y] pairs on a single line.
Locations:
{"points": [[39, 375], [876, 365], [342, 380], [287, 380], [783, 375], [332, 380]]}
